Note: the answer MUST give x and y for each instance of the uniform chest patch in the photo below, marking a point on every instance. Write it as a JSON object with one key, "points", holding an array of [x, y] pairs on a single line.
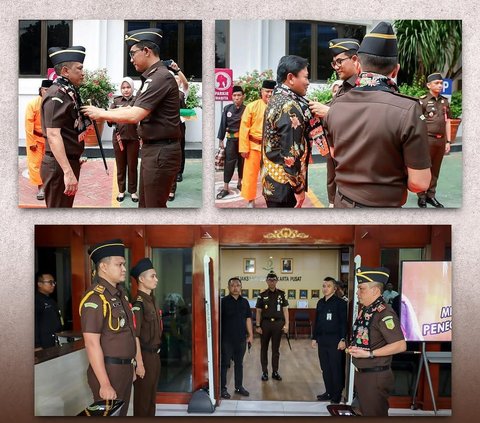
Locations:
{"points": [[229, 114], [389, 323]]}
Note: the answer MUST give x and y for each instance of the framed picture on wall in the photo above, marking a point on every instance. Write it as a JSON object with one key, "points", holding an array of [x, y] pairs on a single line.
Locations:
{"points": [[292, 294], [222, 293], [315, 293], [303, 294], [287, 265], [255, 293], [248, 265], [245, 293]]}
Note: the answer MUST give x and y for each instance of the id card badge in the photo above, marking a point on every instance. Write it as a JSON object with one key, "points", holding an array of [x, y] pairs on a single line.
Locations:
{"points": [[278, 307], [329, 316]]}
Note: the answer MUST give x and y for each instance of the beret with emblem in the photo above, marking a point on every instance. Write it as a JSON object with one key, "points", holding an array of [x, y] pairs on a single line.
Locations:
{"points": [[382, 41], [341, 45], [437, 76], [153, 35], [110, 248], [70, 54], [142, 266], [372, 274], [272, 275], [269, 84]]}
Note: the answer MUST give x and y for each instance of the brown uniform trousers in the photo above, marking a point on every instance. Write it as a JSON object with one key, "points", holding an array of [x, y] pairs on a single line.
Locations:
{"points": [[437, 151], [146, 388], [126, 158], [52, 177], [373, 390], [160, 165], [271, 330], [119, 378]]}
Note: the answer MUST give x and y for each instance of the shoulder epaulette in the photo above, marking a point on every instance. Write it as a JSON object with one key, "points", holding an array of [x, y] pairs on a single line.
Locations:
{"points": [[381, 307], [100, 289], [409, 97]]}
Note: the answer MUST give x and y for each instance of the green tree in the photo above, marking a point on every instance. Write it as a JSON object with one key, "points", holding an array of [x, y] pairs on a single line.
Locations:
{"points": [[427, 46]]}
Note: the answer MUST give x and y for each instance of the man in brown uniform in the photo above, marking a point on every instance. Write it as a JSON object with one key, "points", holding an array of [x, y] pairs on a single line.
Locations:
{"points": [[64, 127], [149, 334], [377, 137], [272, 321], [108, 326], [376, 337], [156, 108], [345, 63], [436, 110]]}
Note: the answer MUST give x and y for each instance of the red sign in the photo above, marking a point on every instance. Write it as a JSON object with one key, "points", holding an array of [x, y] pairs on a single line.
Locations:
{"points": [[223, 84]]}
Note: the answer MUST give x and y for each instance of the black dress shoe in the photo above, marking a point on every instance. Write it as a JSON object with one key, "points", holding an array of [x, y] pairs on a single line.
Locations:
{"points": [[264, 376], [433, 201], [242, 391], [171, 196], [179, 177], [422, 203], [223, 193], [276, 376], [323, 397], [121, 197], [225, 394]]}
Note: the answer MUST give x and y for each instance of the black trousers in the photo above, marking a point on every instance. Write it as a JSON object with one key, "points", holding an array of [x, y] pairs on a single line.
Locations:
{"points": [[53, 183], [289, 202], [331, 364], [232, 350], [271, 331], [232, 158]]}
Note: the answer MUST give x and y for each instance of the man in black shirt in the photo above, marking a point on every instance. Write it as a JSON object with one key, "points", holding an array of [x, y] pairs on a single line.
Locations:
{"points": [[236, 321], [48, 319], [329, 336], [229, 128]]}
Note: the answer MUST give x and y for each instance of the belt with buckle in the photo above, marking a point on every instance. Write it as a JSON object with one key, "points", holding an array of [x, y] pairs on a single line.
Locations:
{"points": [[161, 141], [373, 369], [114, 360], [349, 200], [150, 349]]}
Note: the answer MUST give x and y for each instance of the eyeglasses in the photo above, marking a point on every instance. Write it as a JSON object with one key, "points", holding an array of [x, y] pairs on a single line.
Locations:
{"points": [[338, 62], [132, 53], [50, 282]]}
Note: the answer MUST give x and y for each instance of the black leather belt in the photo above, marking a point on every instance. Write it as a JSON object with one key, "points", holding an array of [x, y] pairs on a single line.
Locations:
{"points": [[349, 200], [162, 141], [374, 369], [147, 348], [114, 360], [69, 156]]}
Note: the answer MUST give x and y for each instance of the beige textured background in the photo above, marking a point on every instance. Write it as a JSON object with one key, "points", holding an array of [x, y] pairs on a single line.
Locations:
{"points": [[17, 250]]}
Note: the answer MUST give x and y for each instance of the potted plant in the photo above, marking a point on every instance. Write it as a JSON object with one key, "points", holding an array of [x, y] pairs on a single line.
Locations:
{"points": [[97, 90], [456, 111], [192, 102]]}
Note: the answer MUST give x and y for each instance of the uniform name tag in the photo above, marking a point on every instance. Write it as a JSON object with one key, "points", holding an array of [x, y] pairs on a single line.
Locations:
{"points": [[329, 316], [278, 307]]}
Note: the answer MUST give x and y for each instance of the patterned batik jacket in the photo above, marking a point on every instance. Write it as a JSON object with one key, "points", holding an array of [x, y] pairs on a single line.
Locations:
{"points": [[289, 130]]}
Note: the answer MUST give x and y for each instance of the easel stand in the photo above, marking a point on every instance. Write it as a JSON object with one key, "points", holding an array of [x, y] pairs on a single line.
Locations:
{"points": [[434, 357]]}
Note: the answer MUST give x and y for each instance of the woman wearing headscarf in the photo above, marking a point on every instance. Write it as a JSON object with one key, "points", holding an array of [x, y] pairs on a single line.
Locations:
{"points": [[126, 144]]}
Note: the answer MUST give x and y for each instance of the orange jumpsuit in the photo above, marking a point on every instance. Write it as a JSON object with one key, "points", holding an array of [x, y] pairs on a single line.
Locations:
{"points": [[34, 138], [250, 141]]}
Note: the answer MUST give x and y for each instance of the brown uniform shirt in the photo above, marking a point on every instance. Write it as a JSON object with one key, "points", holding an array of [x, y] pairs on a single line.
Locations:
{"points": [[127, 131], [375, 136], [347, 85], [436, 111], [148, 320], [117, 330], [271, 303], [159, 94], [58, 111], [384, 329]]}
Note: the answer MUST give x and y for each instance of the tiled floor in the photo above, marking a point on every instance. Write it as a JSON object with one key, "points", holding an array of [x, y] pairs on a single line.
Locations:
{"points": [[275, 408]]}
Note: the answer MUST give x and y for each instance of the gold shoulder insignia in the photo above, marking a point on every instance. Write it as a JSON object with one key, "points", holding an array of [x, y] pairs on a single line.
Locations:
{"points": [[100, 289]]}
